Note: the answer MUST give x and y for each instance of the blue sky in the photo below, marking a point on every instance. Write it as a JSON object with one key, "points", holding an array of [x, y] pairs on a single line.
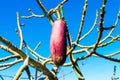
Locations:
{"points": [[39, 29]]}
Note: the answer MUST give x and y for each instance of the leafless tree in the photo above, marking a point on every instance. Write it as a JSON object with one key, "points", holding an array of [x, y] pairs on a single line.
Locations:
{"points": [[40, 62]]}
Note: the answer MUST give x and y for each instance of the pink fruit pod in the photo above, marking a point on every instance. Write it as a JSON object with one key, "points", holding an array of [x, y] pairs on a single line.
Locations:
{"points": [[58, 42]]}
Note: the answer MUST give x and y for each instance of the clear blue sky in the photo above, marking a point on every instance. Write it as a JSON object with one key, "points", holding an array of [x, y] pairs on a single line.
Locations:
{"points": [[38, 29]]}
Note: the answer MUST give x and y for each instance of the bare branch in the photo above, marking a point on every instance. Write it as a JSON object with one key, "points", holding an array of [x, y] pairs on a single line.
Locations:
{"points": [[109, 42], [56, 8], [80, 29], [101, 28], [64, 1], [78, 72], [55, 69], [115, 53], [45, 11], [8, 49], [79, 51], [7, 65], [9, 57], [71, 48], [109, 28], [109, 55], [32, 62], [84, 57], [46, 61], [32, 15], [116, 22], [20, 31], [82, 21], [67, 64], [76, 67], [28, 73], [69, 38], [22, 68], [37, 46], [4, 68], [105, 57], [35, 53], [91, 28]]}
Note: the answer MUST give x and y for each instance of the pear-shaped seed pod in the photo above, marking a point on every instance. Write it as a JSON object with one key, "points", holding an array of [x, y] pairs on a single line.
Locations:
{"points": [[58, 42]]}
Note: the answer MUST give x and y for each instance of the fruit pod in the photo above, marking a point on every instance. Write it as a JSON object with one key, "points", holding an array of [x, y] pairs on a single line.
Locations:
{"points": [[58, 42]]}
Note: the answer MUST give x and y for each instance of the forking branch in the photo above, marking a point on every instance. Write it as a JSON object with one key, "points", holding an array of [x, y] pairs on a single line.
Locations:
{"points": [[91, 50]]}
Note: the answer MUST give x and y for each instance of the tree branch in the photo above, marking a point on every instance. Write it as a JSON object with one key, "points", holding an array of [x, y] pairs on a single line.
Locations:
{"points": [[20, 31], [32, 62], [115, 24], [91, 28], [7, 65], [9, 57], [32, 15], [105, 57], [22, 68], [45, 11]]}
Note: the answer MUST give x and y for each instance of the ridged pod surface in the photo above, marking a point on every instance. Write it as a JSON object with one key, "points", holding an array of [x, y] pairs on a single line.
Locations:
{"points": [[58, 42]]}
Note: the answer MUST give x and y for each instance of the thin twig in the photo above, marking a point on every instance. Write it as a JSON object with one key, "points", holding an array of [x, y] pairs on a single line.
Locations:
{"points": [[20, 31], [115, 53], [109, 42], [4, 68], [35, 53], [32, 15], [105, 57], [45, 11], [69, 40], [56, 8], [64, 1], [91, 28], [46, 61], [22, 68], [79, 51], [116, 22], [84, 57], [82, 21], [67, 64], [9, 57], [7, 65], [37, 46], [80, 29]]}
